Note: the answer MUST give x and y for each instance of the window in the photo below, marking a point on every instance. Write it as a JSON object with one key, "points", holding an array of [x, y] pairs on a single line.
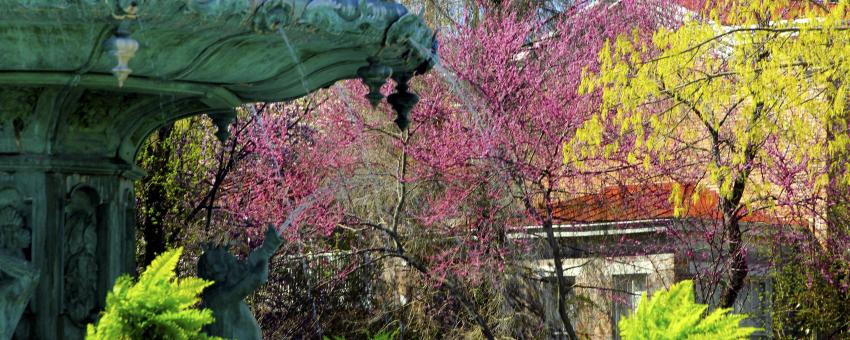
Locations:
{"points": [[549, 298], [627, 292], [754, 300]]}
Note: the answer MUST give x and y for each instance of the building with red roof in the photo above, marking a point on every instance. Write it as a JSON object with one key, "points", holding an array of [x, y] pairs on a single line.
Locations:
{"points": [[631, 239]]}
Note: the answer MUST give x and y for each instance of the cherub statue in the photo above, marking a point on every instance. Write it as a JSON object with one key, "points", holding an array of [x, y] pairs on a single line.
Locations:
{"points": [[17, 283], [234, 280], [18, 278]]}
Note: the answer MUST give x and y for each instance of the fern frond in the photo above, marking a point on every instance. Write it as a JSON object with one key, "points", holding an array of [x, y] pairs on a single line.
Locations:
{"points": [[674, 314], [161, 268], [158, 306]]}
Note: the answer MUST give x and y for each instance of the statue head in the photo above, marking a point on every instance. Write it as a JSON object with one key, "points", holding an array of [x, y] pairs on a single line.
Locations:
{"points": [[216, 263]]}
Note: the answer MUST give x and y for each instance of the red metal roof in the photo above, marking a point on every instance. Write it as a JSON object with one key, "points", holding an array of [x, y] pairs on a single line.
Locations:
{"points": [[645, 202], [794, 11]]}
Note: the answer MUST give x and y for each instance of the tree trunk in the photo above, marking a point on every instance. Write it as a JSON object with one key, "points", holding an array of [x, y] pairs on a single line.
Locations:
{"points": [[738, 268], [729, 205], [563, 287], [837, 205]]}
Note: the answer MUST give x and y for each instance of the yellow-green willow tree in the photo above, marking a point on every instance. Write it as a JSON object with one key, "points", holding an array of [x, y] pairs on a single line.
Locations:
{"points": [[722, 87]]}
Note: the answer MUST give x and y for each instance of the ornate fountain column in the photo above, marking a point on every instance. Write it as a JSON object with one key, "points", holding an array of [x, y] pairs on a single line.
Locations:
{"points": [[66, 193], [76, 215]]}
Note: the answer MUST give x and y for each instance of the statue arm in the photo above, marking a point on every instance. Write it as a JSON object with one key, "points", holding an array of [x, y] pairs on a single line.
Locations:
{"points": [[265, 251], [235, 290], [251, 274], [16, 268], [255, 276]]}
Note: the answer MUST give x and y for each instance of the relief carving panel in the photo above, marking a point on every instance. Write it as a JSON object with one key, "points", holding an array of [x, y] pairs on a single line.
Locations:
{"points": [[80, 256]]}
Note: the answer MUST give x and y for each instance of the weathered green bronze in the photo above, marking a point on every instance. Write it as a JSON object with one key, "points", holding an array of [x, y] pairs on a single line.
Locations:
{"points": [[235, 280], [83, 83]]}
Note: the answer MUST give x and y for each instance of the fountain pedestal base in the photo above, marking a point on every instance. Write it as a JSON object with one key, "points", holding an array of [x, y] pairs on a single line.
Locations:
{"points": [[81, 237], [66, 198]]}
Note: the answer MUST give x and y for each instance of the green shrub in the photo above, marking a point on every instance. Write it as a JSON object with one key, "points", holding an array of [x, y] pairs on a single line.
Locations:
{"points": [[382, 335], [674, 314], [158, 306], [806, 305], [385, 335]]}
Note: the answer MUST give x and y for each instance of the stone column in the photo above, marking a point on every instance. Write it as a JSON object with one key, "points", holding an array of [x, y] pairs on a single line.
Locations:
{"points": [[82, 239], [66, 190]]}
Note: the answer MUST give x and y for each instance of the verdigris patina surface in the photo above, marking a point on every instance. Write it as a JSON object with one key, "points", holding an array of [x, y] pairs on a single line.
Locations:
{"points": [[17, 275], [83, 83], [235, 280]]}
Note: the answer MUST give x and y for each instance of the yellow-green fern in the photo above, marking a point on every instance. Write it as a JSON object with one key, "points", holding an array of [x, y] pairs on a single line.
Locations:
{"points": [[674, 314], [158, 306]]}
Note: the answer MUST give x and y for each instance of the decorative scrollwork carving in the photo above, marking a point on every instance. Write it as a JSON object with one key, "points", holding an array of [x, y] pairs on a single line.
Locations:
{"points": [[97, 108], [362, 17], [14, 235], [80, 251], [16, 107], [410, 29], [272, 15], [216, 8]]}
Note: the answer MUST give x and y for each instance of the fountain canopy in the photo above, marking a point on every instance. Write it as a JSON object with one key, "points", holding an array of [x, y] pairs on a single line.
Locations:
{"points": [[189, 57], [84, 82]]}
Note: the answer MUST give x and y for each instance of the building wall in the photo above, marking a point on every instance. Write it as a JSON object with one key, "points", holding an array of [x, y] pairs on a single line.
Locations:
{"points": [[595, 290]]}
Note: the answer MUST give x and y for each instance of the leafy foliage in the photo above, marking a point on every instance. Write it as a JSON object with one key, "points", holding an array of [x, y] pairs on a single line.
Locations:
{"points": [[382, 335], [674, 314], [806, 305], [755, 90], [180, 160], [777, 81], [158, 306], [484, 153]]}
